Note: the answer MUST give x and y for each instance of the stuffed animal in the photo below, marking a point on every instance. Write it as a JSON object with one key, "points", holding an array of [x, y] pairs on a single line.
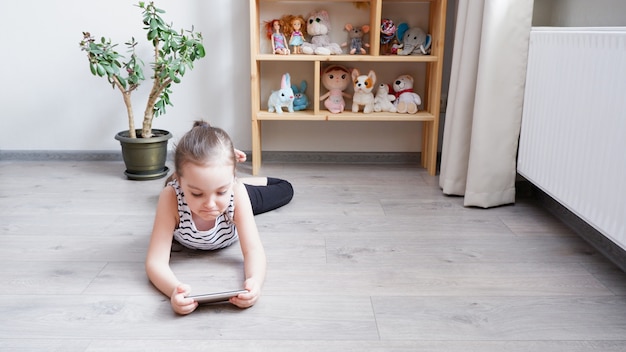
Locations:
{"points": [[363, 95], [356, 34], [406, 100], [282, 97], [318, 27], [335, 79], [300, 101], [387, 36], [414, 40], [383, 101]]}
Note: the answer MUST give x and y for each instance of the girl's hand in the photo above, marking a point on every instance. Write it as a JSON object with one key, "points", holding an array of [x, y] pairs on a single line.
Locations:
{"points": [[240, 156], [181, 304], [246, 300]]}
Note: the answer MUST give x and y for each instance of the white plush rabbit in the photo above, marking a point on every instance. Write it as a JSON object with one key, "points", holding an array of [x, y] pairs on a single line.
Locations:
{"points": [[282, 97]]}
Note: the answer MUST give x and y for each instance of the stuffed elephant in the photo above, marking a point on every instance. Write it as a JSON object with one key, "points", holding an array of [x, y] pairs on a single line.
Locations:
{"points": [[415, 42]]}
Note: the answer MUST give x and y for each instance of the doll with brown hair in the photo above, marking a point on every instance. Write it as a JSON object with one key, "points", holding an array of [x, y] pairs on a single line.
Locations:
{"points": [[295, 30], [335, 78], [273, 33]]}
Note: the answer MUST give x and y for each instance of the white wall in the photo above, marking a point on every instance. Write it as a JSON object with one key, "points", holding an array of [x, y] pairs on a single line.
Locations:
{"points": [[579, 13], [47, 87], [50, 101]]}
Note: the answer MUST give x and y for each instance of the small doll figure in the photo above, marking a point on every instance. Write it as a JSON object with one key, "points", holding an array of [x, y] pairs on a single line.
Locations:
{"points": [[295, 31], [336, 79], [279, 44]]}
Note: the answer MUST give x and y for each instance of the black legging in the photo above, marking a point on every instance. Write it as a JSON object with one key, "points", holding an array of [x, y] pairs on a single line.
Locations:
{"points": [[265, 198]]}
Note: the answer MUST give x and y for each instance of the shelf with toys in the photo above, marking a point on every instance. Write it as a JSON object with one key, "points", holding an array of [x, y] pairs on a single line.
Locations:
{"points": [[400, 71]]}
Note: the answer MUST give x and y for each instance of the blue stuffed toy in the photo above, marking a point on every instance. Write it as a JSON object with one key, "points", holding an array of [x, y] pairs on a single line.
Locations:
{"points": [[301, 101]]}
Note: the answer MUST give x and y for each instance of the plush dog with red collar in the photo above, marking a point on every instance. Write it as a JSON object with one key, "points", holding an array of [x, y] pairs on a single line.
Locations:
{"points": [[363, 95]]}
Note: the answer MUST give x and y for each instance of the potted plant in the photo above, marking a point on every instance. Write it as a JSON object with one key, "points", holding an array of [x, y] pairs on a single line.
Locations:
{"points": [[174, 53]]}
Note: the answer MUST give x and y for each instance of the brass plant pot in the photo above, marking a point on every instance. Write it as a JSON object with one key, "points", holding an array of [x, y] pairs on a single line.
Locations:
{"points": [[145, 157]]}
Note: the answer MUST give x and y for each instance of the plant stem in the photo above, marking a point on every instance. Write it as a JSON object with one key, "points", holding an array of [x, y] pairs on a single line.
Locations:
{"points": [[129, 108], [158, 85]]}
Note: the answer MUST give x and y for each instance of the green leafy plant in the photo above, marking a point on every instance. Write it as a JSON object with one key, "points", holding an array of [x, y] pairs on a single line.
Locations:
{"points": [[174, 54]]}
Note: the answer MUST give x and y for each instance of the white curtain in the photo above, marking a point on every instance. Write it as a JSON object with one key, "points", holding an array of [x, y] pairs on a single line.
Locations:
{"points": [[481, 131]]}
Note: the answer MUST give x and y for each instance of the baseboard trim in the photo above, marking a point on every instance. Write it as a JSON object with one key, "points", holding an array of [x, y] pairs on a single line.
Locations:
{"points": [[268, 156], [342, 157], [60, 155], [599, 241]]}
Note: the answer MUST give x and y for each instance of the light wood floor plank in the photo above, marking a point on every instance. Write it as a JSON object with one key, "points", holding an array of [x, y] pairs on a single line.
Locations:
{"points": [[150, 317], [501, 318], [358, 346], [365, 258]]}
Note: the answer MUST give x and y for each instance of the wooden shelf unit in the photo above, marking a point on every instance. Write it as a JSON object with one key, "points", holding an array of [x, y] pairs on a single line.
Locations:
{"points": [[431, 99]]}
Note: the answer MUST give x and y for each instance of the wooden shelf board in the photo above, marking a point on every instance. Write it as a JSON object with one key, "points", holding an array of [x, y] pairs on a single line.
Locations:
{"points": [[343, 58], [344, 116]]}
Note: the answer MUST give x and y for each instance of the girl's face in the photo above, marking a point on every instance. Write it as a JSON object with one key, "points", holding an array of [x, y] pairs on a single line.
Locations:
{"points": [[296, 25], [276, 25], [207, 189]]}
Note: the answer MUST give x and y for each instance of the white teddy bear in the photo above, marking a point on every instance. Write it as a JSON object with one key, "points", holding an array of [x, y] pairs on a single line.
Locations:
{"points": [[383, 100], [407, 101]]}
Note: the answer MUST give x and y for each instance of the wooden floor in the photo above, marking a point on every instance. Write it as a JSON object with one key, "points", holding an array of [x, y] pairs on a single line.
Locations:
{"points": [[365, 258]]}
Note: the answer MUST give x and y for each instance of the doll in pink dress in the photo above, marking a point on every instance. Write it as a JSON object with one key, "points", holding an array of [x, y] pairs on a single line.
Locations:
{"points": [[336, 79]]}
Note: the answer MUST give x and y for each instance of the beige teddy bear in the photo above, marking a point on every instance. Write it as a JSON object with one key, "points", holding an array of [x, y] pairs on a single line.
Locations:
{"points": [[407, 101]]}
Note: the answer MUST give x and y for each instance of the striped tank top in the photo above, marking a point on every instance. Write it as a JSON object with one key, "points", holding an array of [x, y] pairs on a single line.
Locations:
{"points": [[223, 234]]}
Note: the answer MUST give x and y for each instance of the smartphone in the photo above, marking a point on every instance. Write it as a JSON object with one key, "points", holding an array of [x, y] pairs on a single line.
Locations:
{"points": [[216, 297]]}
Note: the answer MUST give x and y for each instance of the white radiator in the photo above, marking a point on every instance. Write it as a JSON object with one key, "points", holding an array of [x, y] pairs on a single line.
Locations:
{"points": [[573, 136]]}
